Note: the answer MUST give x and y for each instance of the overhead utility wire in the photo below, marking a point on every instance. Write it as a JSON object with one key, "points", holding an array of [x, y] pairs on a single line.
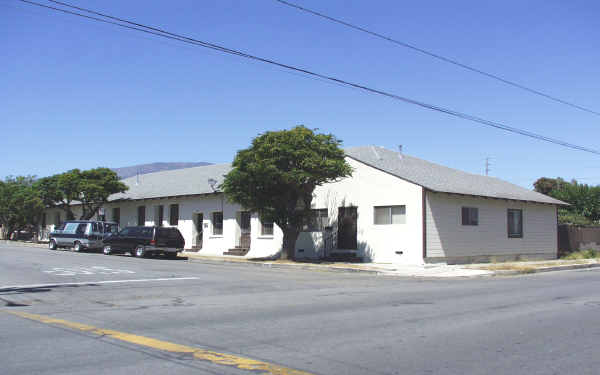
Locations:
{"points": [[439, 57], [169, 35]]}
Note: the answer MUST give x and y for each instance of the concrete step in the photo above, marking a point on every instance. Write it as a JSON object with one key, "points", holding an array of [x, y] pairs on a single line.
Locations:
{"points": [[238, 251]]}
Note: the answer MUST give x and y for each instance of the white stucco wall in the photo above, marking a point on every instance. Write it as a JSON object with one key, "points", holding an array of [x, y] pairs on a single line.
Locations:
{"points": [[367, 188], [447, 237], [189, 207]]}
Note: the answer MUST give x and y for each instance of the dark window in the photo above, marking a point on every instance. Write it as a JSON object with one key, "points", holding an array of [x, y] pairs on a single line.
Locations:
{"points": [[470, 216], [515, 223], [125, 232], [146, 232], [44, 219], [174, 214], [318, 221], [111, 228], [390, 215], [266, 228], [161, 215], [217, 221], [81, 228], [141, 215], [116, 215], [96, 227], [57, 219]]}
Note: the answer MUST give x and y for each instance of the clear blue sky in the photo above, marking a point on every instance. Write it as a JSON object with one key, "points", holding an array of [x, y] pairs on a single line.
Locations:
{"points": [[78, 94]]}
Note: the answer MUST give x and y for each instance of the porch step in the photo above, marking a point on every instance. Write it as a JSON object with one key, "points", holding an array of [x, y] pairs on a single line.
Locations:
{"points": [[239, 251]]}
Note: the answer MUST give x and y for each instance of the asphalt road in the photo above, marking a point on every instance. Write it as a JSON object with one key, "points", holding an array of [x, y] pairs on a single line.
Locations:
{"points": [[299, 320]]}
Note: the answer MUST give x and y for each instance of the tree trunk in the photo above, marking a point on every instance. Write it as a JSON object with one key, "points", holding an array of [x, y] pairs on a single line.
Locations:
{"points": [[288, 250]]}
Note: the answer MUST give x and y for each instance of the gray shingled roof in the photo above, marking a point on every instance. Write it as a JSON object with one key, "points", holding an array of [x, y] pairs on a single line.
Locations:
{"points": [[193, 181], [442, 179], [177, 182]]}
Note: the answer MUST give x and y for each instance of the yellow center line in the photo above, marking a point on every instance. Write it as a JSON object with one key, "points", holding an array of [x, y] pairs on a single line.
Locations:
{"points": [[200, 354]]}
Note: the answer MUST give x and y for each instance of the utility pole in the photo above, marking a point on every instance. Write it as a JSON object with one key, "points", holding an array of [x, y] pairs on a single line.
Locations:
{"points": [[487, 166]]}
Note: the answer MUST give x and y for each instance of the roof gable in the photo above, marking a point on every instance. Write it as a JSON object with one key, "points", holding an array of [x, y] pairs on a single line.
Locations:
{"points": [[438, 178]]}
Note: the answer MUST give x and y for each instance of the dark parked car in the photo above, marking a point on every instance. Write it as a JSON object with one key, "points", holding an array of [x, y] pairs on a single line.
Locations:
{"points": [[81, 234], [145, 241]]}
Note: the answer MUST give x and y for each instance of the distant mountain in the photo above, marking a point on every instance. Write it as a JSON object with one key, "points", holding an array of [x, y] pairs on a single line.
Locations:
{"points": [[125, 172]]}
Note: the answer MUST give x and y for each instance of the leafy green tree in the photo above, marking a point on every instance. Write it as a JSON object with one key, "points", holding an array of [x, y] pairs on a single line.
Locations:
{"points": [[277, 175], [545, 185], [90, 188], [20, 204], [584, 200], [95, 186]]}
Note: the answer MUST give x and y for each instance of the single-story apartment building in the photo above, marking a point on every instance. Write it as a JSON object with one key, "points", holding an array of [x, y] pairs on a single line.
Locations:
{"points": [[394, 208]]}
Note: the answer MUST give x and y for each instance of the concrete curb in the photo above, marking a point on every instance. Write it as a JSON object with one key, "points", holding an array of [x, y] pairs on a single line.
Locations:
{"points": [[546, 269]]}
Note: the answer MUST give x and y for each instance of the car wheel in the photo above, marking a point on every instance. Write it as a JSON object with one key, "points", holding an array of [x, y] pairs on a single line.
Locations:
{"points": [[140, 252], [77, 246], [52, 245], [107, 250]]}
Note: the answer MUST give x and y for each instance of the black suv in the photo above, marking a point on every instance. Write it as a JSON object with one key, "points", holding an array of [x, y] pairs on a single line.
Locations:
{"points": [[145, 241]]}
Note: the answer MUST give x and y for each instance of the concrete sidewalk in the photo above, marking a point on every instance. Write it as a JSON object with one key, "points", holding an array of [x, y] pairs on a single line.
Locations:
{"points": [[426, 271], [371, 268]]}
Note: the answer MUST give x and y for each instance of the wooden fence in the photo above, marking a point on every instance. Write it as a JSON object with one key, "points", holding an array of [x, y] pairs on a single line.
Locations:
{"points": [[573, 238]]}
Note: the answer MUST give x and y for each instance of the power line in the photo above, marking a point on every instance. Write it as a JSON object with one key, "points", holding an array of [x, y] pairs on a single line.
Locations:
{"points": [[439, 57], [181, 38]]}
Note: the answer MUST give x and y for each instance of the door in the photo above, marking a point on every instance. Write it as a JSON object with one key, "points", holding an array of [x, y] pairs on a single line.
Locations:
{"points": [[347, 218], [244, 230], [199, 232]]}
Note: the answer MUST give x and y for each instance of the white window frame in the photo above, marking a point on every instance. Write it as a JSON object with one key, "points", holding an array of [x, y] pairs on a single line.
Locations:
{"points": [[390, 215]]}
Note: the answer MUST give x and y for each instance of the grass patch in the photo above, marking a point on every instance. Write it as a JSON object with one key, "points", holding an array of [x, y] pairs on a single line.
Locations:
{"points": [[510, 267], [583, 254]]}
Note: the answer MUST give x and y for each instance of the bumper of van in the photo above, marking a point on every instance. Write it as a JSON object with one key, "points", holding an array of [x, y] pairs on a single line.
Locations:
{"points": [[163, 249]]}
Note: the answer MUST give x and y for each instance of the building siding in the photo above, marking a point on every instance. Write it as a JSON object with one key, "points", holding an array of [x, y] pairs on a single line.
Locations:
{"points": [[446, 237]]}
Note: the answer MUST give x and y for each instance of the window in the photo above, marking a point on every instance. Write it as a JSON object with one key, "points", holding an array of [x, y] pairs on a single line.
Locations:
{"points": [[44, 220], [81, 229], [470, 216], [116, 215], [174, 214], [141, 215], [266, 228], [390, 215], [111, 228], [70, 228], [217, 221], [160, 215], [146, 232], [57, 219], [318, 221], [515, 223]]}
